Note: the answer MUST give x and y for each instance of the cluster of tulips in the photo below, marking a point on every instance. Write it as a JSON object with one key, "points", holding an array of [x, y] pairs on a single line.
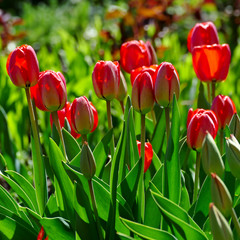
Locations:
{"points": [[151, 84]]}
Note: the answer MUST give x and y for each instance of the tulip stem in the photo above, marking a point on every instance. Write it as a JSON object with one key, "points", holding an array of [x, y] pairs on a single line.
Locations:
{"points": [[84, 138], [57, 124], [110, 126], [167, 117], [213, 89], [38, 164], [153, 117], [209, 92], [122, 106], [236, 222], [100, 234], [141, 195], [221, 141], [197, 170]]}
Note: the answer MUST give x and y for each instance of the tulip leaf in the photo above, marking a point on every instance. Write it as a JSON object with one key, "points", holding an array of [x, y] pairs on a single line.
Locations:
{"points": [[202, 101], [147, 232], [172, 178], [3, 164], [72, 147], [57, 228], [184, 224]]}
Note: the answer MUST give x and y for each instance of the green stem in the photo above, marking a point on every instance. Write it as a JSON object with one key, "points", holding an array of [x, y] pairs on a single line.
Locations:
{"points": [[197, 170], [122, 106], [213, 89], [167, 117], [57, 124], [221, 141], [38, 164], [185, 163], [236, 222], [209, 92], [100, 234], [110, 126], [84, 138], [153, 117], [141, 195]]}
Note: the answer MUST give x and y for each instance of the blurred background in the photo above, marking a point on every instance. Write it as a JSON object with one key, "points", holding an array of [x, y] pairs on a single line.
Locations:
{"points": [[71, 36]]}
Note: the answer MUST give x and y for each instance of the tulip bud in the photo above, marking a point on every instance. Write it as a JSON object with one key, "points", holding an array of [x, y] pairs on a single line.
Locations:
{"points": [[205, 68], [211, 157], [151, 70], [233, 155], [203, 34], [52, 88], [87, 162], [234, 126], [82, 116], [142, 93], [152, 53], [122, 88], [224, 108], [148, 154], [220, 195], [219, 226], [199, 122], [106, 79], [134, 54], [166, 84], [22, 66]]}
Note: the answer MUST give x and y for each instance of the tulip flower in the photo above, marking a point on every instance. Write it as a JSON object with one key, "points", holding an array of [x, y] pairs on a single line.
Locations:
{"points": [[199, 122], [142, 93], [202, 34], [22, 66], [151, 70], [167, 83], [52, 91], [83, 118], [134, 54], [41, 234], [234, 126], [224, 108], [152, 52], [211, 62], [148, 154], [106, 79]]}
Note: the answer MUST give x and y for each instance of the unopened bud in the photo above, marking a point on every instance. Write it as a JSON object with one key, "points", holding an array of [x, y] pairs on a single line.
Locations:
{"points": [[87, 162], [219, 225], [233, 155], [220, 195], [122, 88], [234, 126], [211, 157]]}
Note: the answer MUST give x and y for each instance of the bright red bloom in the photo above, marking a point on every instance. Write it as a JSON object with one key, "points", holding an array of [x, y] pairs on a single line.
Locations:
{"points": [[151, 70], [50, 94], [167, 83], [224, 108], [142, 93], [148, 154], [199, 122], [22, 66], [106, 79], [211, 62], [41, 235], [134, 54], [202, 34], [84, 117]]}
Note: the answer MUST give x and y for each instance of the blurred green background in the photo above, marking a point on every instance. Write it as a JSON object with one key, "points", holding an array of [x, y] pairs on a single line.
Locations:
{"points": [[71, 36]]}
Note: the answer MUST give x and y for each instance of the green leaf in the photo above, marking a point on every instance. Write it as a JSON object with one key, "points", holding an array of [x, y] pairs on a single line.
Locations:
{"points": [[57, 228], [147, 232], [26, 186], [72, 147], [3, 163], [172, 177], [202, 101], [66, 186], [184, 224]]}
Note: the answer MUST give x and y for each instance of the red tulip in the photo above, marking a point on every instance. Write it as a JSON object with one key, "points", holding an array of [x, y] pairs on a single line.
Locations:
{"points": [[202, 34], [151, 70], [211, 62], [199, 122], [134, 54], [142, 93], [166, 84], [224, 108], [106, 79], [41, 235], [152, 53], [84, 117], [148, 154], [22, 66]]}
